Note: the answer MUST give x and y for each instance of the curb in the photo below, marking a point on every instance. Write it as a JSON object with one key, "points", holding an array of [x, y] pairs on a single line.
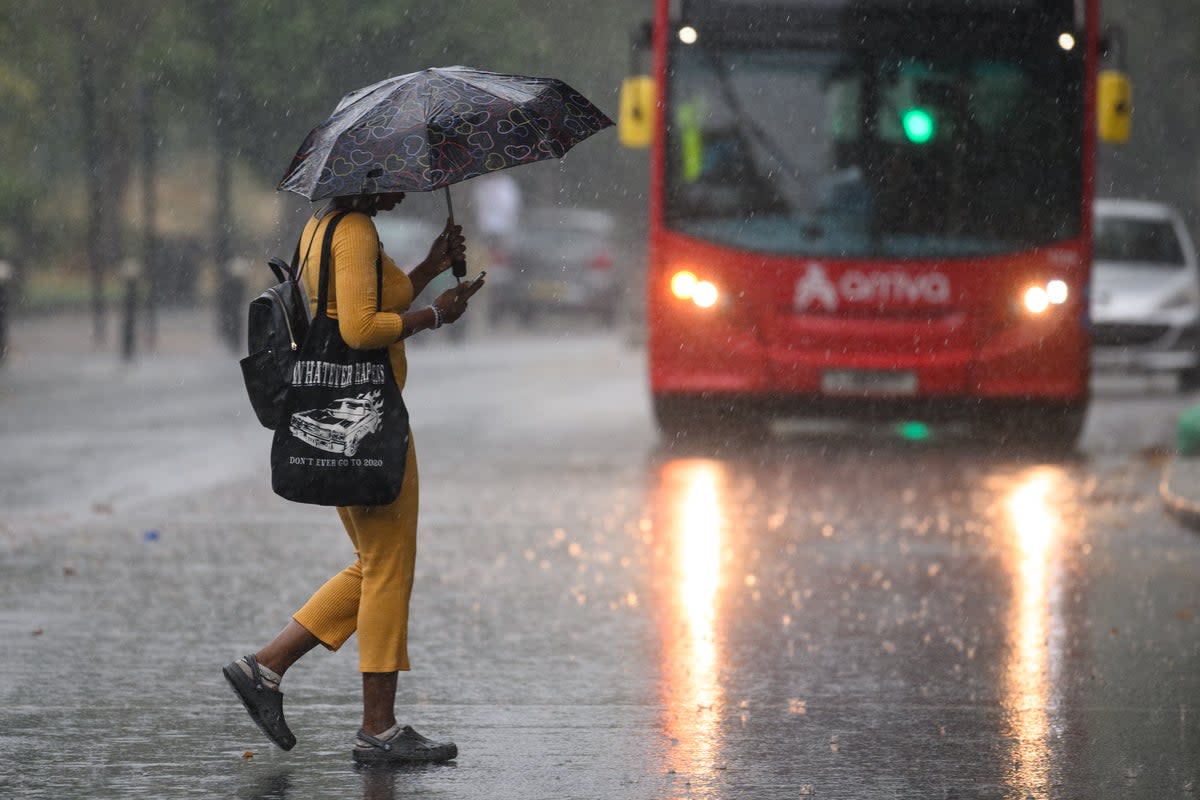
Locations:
{"points": [[1182, 508]]}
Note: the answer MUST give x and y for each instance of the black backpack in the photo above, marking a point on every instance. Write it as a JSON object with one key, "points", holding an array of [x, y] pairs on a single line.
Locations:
{"points": [[277, 326]]}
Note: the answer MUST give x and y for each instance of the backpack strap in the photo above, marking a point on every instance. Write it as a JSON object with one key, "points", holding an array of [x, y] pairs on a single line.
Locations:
{"points": [[298, 265], [280, 269], [326, 250], [294, 273]]}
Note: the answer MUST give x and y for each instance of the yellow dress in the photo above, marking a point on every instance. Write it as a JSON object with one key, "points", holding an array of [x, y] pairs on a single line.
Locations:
{"points": [[371, 596]]}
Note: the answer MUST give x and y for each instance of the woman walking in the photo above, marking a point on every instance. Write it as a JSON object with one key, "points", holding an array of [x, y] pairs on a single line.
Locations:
{"points": [[371, 595]]}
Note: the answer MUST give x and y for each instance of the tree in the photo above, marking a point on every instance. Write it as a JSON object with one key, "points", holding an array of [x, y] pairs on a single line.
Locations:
{"points": [[20, 102], [288, 64]]}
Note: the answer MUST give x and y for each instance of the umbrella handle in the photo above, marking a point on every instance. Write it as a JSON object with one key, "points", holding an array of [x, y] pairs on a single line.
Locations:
{"points": [[458, 266]]}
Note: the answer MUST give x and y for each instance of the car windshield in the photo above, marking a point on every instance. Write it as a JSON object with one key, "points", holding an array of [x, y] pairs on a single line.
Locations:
{"points": [[1149, 242], [823, 152]]}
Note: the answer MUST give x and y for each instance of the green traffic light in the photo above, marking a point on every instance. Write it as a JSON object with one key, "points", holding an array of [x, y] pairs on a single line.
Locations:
{"points": [[919, 125]]}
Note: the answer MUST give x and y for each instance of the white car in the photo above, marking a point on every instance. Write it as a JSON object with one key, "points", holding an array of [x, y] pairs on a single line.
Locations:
{"points": [[407, 240], [1145, 296]]}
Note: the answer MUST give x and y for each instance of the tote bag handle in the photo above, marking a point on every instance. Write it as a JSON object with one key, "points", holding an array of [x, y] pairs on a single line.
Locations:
{"points": [[326, 249]]}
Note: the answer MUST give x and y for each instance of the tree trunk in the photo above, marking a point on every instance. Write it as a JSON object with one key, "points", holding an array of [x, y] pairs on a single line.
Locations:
{"points": [[228, 311], [95, 199], [149, 210]]}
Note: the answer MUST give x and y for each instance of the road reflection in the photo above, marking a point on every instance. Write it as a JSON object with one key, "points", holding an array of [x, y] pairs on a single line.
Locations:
{"points": [[379, 782], [831, 613], [1031, 691], [271, 786], [689, 538]]}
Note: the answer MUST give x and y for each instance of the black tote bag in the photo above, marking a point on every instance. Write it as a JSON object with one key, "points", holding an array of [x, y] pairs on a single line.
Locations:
{"points": [[342, 438]]}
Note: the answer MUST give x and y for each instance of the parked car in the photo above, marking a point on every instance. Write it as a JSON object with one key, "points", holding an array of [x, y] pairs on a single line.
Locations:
{"points": [[561, 262], [407, 241], [1145, 298]]}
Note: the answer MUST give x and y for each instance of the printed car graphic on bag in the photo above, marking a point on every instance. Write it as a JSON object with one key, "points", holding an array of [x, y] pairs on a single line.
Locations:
{"points": [[341, 427]]}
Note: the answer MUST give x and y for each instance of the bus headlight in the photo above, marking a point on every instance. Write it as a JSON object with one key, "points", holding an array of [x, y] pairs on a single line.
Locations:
{"points": [[686, 286], [1057, 292], [1038, 298], [705, 295], [683, 284]]}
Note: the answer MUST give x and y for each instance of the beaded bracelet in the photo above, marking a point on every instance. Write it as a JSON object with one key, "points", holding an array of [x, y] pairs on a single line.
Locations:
{"points": [[437, 316]]}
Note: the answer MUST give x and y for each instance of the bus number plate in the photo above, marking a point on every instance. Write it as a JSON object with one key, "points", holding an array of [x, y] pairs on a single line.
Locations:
{"points": [[868, 382]]}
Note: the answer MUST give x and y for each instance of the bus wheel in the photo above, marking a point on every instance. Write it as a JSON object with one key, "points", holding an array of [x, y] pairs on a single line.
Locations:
{"points": [[708, 421]]}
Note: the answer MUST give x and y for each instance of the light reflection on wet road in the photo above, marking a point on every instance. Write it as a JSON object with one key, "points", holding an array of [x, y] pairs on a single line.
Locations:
{"points": [[837, 615], [688, 540], [918, 627], [1036, 624]]}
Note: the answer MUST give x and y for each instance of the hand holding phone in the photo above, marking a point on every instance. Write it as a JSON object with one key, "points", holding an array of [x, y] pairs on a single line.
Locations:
{"points": [[468, 289]]}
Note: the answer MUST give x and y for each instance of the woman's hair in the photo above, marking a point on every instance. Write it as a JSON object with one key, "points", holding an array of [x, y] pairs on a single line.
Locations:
{"points": [[357, 202], [367, 202]]}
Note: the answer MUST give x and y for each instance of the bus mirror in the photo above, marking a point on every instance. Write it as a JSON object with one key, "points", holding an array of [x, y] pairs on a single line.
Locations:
{"points": [[636, 124], [1114, 106]]}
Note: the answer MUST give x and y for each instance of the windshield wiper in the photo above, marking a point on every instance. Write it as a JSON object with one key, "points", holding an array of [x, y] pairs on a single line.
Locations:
{"points": [[744, 123]]}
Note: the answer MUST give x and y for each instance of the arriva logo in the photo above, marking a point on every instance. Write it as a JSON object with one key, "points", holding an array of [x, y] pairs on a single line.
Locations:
{"points": [[856, 286]]}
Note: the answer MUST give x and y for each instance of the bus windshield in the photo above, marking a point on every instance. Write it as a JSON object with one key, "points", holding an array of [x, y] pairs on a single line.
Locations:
{"points": [[822, 152]]}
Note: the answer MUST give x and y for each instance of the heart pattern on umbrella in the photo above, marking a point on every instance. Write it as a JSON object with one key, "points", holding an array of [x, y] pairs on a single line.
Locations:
{"points": [[429, 129]]}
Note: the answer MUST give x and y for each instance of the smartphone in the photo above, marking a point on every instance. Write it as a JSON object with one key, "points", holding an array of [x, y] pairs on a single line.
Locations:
{"points": [[473, 286]]}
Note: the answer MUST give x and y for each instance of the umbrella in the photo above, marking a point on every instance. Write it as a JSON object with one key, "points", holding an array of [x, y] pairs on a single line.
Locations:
{"points": [[426, 130]]}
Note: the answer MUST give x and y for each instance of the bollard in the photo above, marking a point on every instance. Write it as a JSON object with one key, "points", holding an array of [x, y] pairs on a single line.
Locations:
{"points": [[5, 278], [131, 270], [1187, 433]]}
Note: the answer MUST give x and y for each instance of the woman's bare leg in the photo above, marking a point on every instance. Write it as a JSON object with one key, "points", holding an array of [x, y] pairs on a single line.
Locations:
{"points": [[379, 701], [286, 648]]}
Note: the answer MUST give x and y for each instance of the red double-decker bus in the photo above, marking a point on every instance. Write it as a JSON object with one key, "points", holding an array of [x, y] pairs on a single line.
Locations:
{"points": [[871, 205]]}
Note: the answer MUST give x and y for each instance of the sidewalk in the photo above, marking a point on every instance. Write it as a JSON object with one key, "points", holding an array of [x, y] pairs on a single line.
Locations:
{"points": [[181, 331], [1180, 489], [92, 435]]}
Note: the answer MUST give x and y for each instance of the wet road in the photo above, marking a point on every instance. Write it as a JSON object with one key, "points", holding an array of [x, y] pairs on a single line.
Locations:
{"points": [[835, 614]]}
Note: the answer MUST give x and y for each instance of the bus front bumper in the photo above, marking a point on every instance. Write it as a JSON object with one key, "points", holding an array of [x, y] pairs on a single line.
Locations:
{"points": [[1016, 364]]}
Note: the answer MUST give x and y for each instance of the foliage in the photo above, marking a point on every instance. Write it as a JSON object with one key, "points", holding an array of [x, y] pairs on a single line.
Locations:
{"points": [[292, 65], [288, 63]]}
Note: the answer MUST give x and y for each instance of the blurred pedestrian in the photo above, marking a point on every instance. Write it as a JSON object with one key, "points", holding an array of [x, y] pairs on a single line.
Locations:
{"points": [[371, 595], [496, 203], [496, 199]]}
